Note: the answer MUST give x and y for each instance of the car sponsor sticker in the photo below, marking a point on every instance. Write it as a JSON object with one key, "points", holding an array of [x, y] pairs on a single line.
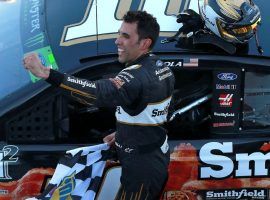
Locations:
{"points": [[227, 76], [226, 87], [245, 193], [224, 114], [225, 100], [187, 62], [223, 124]]}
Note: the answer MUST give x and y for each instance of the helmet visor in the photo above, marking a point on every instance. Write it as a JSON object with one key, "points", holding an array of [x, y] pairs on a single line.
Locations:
{"points": [[234, 32]]}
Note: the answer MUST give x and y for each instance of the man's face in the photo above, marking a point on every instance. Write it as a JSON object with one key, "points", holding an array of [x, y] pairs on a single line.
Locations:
{"points": [[128, 44]]}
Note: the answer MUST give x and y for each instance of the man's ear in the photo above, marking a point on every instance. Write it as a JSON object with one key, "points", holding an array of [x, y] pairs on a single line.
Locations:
{"points": [[146, 43]]}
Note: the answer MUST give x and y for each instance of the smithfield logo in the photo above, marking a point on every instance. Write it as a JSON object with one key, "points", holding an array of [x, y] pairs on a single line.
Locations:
{"points": [[227, 76], [248, 193], [156, 112], [218, 160], [224, 114]]}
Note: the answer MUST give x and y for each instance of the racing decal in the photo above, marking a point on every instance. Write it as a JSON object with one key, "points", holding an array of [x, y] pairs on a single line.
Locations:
{"points": [[227, 76], [88, 30], [240, 168], [32, 25], [248, 193], [83, 83], [219, 170], [225, 100], [225, 115], [191, 62], [179, 63], [33, 37], [226, 87], [224, 124], [117, 82], [174, 63], [8, 155]]}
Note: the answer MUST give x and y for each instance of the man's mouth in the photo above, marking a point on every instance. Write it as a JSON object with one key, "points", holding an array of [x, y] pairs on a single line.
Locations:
{"points": [[120, 51]]}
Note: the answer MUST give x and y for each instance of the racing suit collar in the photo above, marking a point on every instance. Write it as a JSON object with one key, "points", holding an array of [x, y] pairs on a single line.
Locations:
{"points": [[138, 59]]}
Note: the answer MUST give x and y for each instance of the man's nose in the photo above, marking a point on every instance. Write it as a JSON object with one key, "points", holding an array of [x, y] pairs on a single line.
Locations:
{"points": [[117, 41]]}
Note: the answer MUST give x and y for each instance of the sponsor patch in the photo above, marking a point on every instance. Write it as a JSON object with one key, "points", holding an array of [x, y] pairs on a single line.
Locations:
{"points": [[83, 83], [165, 76], [247, 193], [224, 114], [117, 82], [156, 112], [225, 87], [223, 124], [227, 76], [162, 70], [176, 63], [225, 100], [159, 63]]}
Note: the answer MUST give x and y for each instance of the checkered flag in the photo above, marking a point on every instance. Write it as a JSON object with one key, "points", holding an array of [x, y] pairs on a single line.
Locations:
{"points": [[78, 174]]}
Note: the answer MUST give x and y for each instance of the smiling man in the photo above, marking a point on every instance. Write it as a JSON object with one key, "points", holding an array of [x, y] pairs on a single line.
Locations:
{"points": [[141, 94]]}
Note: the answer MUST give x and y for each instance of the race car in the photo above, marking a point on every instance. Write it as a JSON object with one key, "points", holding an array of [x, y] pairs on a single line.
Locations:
{"points": [[218, 127]]}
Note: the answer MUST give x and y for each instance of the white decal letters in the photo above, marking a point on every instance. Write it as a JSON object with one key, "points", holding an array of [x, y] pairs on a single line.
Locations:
{"points": [[109, 21], [223, 162]]}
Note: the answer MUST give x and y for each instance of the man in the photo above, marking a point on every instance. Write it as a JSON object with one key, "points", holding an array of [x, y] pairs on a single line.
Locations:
{"points": [[142, 93]]}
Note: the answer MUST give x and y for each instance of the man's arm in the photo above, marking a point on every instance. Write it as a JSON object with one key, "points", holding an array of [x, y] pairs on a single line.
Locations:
{"points": [[121, 90]]}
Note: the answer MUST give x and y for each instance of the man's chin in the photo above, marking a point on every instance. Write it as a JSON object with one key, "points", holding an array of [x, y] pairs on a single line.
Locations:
{"points": [[121, 60]]}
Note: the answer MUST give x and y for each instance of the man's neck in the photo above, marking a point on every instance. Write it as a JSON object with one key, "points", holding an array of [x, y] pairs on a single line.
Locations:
{"points": [[138, 58]]}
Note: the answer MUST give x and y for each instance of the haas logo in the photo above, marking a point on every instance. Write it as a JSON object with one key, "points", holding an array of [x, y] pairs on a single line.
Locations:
{"points": [[225, 100]]}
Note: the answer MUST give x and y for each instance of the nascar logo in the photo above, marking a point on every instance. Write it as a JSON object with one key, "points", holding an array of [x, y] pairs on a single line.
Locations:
{"points": [[225, 100]]}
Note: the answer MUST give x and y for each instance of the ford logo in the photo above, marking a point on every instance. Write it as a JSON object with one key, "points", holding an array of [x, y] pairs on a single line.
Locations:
{"points": [[227, 76]]}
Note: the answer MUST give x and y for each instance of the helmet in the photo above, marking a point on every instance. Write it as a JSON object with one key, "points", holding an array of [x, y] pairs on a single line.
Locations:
{"points": [[235, 21]]}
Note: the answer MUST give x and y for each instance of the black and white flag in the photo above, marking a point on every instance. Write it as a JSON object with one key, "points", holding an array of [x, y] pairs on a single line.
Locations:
{"points": [[78, 174]]}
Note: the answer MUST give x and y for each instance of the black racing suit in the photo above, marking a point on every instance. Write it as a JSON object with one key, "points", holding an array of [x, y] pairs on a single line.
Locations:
{"points": [[141, 94]]}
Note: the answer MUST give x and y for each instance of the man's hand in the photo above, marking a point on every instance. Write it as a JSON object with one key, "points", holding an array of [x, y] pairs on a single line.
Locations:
{"points": [[32, 63], [110, 139]]}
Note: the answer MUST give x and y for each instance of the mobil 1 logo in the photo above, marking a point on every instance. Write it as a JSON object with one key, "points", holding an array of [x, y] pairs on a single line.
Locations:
{"points": [[226, 100]]}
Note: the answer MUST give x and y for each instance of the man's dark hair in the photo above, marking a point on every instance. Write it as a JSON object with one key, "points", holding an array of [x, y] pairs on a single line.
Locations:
{"points": [[147, 25]]}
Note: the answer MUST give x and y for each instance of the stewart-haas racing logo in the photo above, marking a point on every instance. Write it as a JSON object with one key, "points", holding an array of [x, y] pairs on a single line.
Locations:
{"points": [[225, 100], [248, 193]]}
